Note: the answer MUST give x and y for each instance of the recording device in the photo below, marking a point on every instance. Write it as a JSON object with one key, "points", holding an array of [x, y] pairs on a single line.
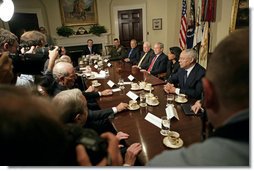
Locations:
{"points": [[96, 147], [30, 63]]}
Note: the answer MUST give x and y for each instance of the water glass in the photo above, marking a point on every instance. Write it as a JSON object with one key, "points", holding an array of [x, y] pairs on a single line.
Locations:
{"points": [[106, 72], [165, 125], [142, 98], [170, 99], [121, 83]]}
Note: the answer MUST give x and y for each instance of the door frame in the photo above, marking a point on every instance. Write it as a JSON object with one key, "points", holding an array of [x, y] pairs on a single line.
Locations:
{"points": [[36, 11], [129, 7]]}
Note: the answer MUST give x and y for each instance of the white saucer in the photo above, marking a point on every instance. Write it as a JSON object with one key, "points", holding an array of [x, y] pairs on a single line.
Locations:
{"points": [[181, 101], [148, 89], [136, 108], [91, 77], [96, 85], [135, 89], [168, 144], [154, 104]]}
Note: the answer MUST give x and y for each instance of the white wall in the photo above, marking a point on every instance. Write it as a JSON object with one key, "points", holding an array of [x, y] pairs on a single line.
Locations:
{"points": [[168, 10]]}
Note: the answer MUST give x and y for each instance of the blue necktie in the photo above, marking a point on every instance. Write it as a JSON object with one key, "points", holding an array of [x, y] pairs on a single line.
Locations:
{"points": [[130, 52]]}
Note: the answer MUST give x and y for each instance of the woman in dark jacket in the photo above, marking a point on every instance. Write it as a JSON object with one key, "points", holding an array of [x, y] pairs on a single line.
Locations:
{"points": [[173, 64]]}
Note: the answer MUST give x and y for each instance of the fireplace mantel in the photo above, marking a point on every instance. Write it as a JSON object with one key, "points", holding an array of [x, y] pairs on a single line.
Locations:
{"points": [[79, 40]]}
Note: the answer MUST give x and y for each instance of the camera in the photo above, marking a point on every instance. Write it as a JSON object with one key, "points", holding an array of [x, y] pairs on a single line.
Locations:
{"points": [[30, 63], [96, 147]]}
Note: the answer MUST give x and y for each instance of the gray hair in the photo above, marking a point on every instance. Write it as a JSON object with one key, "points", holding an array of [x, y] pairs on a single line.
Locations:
{"points": [[161, 44], [61, 70], [147, 43], [70, 104], [191, 53]]}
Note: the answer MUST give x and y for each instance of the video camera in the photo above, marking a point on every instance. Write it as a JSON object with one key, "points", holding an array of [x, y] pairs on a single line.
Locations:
{"points": [[30, 63], [96, 147]]}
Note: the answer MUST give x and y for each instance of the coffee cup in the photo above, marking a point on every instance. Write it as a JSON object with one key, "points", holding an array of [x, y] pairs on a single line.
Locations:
{"points": [[134, 85], [181, 97], [149, 95], [142, 84], [133, 103], [173, 137], [148, 86], [153, 100], [94, 82]]}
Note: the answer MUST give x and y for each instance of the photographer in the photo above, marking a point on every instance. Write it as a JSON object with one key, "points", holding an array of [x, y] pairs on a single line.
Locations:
{"points": [[8, 43], [34, 42]]}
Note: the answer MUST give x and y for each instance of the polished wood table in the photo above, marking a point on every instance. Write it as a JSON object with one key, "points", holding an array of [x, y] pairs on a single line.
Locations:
{"points": [[133, 122]]}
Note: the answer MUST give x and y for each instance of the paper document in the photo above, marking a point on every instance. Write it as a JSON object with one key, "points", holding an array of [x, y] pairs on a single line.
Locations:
{"points": [[131, 78], [153, 119], [132, 95], [116, 89], [110, 83], [126, 83], [171, 112]]}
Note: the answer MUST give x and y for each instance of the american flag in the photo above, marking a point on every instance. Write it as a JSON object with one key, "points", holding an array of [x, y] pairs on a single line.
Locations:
{"points": [[183, 29]]}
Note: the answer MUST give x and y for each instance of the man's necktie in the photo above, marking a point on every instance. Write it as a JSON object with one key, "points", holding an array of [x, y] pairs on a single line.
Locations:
{"points": [[130, 52], [152, 63], [90, 50], [185, 77], [141, 60]]}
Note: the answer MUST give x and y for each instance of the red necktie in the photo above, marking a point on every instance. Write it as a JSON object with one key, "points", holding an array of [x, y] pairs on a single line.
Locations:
{"points": [[152, 63]]}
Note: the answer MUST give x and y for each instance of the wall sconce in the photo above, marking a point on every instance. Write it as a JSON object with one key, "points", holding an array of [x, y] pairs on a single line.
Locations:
{"points": [[6, 10]]}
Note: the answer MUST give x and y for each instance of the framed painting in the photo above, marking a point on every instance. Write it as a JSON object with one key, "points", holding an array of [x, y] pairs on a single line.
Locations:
{"points": [[78, 12], [157, 24], [239, 15]]}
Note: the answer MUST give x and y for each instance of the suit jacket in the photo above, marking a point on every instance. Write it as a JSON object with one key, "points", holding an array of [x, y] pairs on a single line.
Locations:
{"points": [[193, 86], [117, 53], [95, 115], [149, 56], [160, 64], [134, 56], [86, 50], [172, 68]]}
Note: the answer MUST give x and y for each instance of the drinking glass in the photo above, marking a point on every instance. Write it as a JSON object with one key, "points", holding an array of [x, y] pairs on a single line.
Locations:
{"points": [[142, 98], [165, 125], [121, 83], [170, 99], [107, 72]]}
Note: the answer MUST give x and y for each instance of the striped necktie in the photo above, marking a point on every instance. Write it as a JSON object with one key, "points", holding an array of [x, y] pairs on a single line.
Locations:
{"points": [[152, 63], [141, 60]]}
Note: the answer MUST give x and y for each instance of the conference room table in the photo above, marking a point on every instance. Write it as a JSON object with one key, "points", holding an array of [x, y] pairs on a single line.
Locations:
{"points": [[133, 121]]}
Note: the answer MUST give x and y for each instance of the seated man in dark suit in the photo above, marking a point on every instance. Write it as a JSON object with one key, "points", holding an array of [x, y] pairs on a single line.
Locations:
{"points": [[118, 51], [64, 78], [146, 56], [158, 64], [90, 49], [73, 109], [188, 79], [133, 54]]}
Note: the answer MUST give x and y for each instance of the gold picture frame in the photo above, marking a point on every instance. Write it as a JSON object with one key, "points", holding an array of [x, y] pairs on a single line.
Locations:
{"points": [[157, 24], [239, 15], [78, 12]]}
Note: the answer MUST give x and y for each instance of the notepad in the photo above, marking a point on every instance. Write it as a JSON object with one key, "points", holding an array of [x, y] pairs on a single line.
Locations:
{"points": [[153, 119]]}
